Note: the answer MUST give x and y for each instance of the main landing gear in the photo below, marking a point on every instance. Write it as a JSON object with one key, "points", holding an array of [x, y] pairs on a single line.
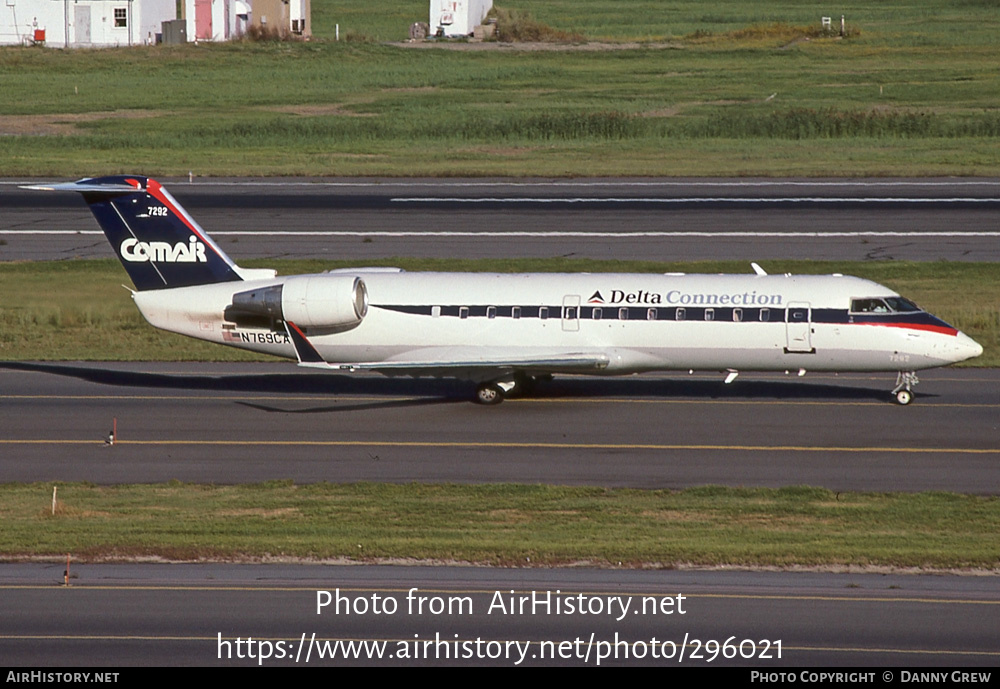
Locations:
{"points": [[905, 381], [495, 391]]}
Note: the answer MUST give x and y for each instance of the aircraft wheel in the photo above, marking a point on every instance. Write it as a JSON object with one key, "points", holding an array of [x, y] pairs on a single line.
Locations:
{"points": [[489, 393], [904, 397]]}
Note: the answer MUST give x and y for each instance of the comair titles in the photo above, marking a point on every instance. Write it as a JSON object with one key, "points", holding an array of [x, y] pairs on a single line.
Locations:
{"points": [[134, 251]]}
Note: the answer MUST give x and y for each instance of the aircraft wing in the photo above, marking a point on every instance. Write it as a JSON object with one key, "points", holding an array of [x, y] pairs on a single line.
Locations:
{"points": [[462, 362], [474, 364]]}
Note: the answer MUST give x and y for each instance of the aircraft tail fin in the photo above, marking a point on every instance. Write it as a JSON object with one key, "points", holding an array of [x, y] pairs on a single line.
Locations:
{"points": [[160, 245]]}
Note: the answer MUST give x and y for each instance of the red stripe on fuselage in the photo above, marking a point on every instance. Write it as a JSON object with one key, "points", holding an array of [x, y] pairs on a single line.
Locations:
{"points": [[943, 330]]}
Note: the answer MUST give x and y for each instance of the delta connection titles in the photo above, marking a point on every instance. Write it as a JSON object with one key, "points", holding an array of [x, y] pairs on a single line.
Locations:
{"points": [[501, 603], [675, 296]]}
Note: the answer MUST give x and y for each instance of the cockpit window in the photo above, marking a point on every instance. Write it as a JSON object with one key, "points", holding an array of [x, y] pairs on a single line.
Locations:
{"points": [[902, 305], [869, 306], [883, 305]]}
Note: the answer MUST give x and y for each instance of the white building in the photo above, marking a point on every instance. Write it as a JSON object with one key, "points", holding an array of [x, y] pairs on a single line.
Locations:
{"points": [[83, 23], [223, 20], [457, 17], [216, 20]]}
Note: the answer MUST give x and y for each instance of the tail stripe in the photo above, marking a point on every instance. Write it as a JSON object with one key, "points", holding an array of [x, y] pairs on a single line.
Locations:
{"points": [[156, 190]]}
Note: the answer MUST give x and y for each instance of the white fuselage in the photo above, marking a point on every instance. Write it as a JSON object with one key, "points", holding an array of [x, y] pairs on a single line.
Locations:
{"points": [[639, 322]]}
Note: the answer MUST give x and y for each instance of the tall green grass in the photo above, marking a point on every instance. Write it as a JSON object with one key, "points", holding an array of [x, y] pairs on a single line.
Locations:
{"points": [[808, 123]]}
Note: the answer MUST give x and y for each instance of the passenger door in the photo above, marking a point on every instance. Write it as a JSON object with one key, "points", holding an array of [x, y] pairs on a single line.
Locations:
{"points": [[798, 328]]}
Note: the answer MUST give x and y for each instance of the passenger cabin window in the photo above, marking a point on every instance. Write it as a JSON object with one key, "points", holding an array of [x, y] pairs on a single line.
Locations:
{"points": [[709, 314], [463, 312], [569, 312], [623, 314], [650, 314], [543, 312], [491, 312], [597, 313], [737, 315], [680, 314], [515, 312], [765, 315], [436, 311]]}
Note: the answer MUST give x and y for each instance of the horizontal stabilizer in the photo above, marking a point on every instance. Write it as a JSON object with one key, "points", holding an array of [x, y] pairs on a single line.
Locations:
{"points": [[89, 186]]}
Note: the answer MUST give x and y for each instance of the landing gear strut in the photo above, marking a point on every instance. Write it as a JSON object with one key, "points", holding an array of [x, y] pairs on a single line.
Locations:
{"points": [[905, 381]]}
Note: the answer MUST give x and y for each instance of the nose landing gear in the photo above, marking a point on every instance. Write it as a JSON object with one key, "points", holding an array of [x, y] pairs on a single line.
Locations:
{"points": [[905, 380]]}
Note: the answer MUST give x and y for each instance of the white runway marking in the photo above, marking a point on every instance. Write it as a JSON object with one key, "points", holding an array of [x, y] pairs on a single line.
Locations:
{"points": [[570, 234], [707, 199], [665, 183]]}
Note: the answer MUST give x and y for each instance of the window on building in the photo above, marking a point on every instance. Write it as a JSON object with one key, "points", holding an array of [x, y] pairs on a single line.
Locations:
{"points": [[121, 18]]}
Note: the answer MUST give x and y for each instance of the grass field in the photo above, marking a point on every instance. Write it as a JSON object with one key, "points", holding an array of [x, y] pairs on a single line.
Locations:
{"points": [[717, 88], [78, 310], [507, 525]]}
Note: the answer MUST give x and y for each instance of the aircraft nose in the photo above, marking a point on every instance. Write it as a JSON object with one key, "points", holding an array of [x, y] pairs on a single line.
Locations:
{"points": [[968, 348]]}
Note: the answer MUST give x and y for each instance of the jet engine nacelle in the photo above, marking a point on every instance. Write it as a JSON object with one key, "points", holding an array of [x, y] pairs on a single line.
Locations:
{"points": [[324, 302]]}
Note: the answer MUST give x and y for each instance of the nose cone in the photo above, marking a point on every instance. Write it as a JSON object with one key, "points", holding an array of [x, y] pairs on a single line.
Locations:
{"points": [[967, 348]]}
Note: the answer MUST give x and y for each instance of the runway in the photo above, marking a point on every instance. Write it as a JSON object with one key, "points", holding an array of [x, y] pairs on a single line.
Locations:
{"points": [[239, 423], [114, 617], [624, 219]]}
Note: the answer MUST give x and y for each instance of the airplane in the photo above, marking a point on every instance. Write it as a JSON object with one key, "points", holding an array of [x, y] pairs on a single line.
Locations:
{"points": [[504, 332]]}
